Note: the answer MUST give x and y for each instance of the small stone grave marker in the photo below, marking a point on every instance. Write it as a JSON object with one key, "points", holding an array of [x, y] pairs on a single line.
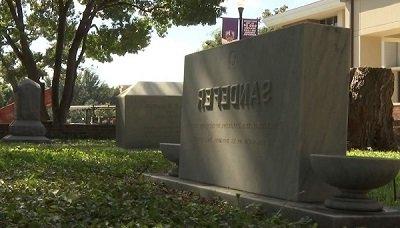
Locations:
{"points": [[27, 126]]}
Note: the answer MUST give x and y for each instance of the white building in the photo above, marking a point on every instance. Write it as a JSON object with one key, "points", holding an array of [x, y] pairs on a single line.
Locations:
{"points": [[375, 23]]}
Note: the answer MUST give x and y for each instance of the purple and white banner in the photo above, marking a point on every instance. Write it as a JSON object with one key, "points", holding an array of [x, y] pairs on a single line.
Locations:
{"points": [[229, 29], [250, 28]]}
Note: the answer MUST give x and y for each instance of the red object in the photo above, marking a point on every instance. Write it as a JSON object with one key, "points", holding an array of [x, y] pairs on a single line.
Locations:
{"points": [[48, 98], [7, 112]]}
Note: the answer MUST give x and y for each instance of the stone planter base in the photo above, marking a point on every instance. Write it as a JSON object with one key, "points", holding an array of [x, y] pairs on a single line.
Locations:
{"points": [[325, 217]]}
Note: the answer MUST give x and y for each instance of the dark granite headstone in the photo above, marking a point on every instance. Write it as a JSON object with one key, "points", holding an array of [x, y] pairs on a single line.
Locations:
{"points": [[149, 113], [254, 110], [27, 125]]}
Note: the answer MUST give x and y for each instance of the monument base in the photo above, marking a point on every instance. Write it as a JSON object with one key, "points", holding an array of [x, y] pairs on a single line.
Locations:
{"points": [[292, 210], [29, 139]]}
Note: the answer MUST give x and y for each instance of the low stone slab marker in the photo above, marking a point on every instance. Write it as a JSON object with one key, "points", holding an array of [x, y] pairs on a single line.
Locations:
{"points": [[149, 113]]}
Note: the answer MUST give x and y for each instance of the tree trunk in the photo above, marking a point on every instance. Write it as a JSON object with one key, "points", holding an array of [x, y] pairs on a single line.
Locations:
{"points": [[370, 109], [73, 60], [62, 22], [25, 54]]}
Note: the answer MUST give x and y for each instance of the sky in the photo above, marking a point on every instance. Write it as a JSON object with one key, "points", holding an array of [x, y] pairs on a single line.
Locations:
{"points": [[163, 59]]}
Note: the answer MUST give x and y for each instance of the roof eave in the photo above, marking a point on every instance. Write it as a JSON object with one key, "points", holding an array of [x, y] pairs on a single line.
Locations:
{"points": [[305, 12]]}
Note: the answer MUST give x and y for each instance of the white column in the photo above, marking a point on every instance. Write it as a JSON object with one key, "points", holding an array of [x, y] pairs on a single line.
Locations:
{"points": [[340, 19], [383, 64], [398, 54], [395, 97], [347, 16], [357, 51]]}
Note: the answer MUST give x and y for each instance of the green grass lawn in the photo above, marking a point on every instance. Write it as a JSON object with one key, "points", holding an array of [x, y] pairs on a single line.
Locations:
{"points": [[94, 183]]}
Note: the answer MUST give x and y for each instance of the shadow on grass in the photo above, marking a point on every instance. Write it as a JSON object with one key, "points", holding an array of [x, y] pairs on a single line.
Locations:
{"points": [[90, 183], [48, 184]]}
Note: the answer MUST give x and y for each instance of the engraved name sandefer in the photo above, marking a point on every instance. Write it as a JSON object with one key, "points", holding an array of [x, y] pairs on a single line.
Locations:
{"points": [[236, 96]]}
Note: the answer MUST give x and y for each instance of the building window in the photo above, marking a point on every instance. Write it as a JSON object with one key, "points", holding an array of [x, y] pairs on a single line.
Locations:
{"points": [[329, 21]]}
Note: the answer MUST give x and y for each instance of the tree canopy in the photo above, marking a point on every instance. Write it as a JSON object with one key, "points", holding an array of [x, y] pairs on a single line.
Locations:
{"points": [[268, 13], [89, 90], [69, 31], [215, 41], [5, 93]]}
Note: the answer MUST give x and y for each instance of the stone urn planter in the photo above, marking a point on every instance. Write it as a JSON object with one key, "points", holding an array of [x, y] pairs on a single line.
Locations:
{"points": [[354, 177], [171, 153]]}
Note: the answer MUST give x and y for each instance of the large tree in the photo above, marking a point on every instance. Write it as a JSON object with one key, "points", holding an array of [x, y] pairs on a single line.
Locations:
{"points": [[90, 90], [73, 30]]}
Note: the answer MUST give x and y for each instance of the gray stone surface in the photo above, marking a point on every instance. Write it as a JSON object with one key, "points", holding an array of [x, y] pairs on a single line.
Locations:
{"points": [[325, 217], [278, 98], [27, 101], [354, 177], [27, 125], [171, 153], [149, 113]]}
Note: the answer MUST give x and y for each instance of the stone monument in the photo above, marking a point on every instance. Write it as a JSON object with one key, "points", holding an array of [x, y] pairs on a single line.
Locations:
{"points": [[254, 111], [149, 113], [27, 126]]}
